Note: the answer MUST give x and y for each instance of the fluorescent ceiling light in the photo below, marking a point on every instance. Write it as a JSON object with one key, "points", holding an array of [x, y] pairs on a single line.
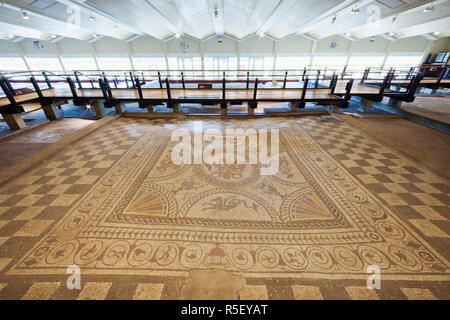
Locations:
{"points": [[428, 9], [25, 15], [355, 9]]}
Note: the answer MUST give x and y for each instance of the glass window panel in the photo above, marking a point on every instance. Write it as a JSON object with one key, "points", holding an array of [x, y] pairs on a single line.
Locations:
{"points": [[331, 62], [188, 65], [197, 63], [79, 63], [244, 63], [114, 63], [12, 64], [150, 63], [365, 61], [403, 60], [173, 63], [209, 63], [47, 63], [295, 63]]}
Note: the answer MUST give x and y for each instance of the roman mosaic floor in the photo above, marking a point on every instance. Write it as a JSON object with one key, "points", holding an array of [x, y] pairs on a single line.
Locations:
{"points": [[141, 227]]}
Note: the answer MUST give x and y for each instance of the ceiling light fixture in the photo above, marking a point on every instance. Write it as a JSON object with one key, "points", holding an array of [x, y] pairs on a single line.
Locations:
{"points": [[334, 19], [10, 36], [436, 33], [391, 34], [355, 9], [348, 34], [91, 18], [94, 36], [394, 19], [429, 8], [261, 35], [177, 36], [25, 15]]}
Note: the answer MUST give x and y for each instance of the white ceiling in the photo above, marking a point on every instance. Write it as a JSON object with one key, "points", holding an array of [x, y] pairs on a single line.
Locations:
{"points": [[237, 19]]}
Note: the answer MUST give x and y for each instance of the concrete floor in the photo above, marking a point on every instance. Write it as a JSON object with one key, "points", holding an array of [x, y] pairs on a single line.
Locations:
{"points": [[349, 194], [19, 147], [432, 107]]}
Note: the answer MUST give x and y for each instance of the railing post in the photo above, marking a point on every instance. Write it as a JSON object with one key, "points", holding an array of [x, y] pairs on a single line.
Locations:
{"points": [[304, 74], [169, 97], [255, 91], [104, 76], [365, 75], [160, 81], [36, 87], [10, 97], [103, 88], [285, 80], [348, 90], [224, 103], [138, 84], [333, 84], [413, 85], [223, 88], [441, 76], [133, 81], [78, 80], [248, 79], [8, 84], [182, 80], [305, 87], [108, 88], [72, 88], [411, 70], [47, 80], [316, 85], [343, 72], [384, 86]]}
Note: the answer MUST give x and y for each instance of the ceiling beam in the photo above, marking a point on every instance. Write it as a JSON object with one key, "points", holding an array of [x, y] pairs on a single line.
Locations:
{"points": [[57, 39], [394, 27], [77, 31], [304, 35], [24, 32], [88, 10], [348, 37], [344, 7], [18, 39], [95, 39], [134, 38], [429, 37], [387, 37], [149, 7], [216, 9], [277, 14], [440, 25]]}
